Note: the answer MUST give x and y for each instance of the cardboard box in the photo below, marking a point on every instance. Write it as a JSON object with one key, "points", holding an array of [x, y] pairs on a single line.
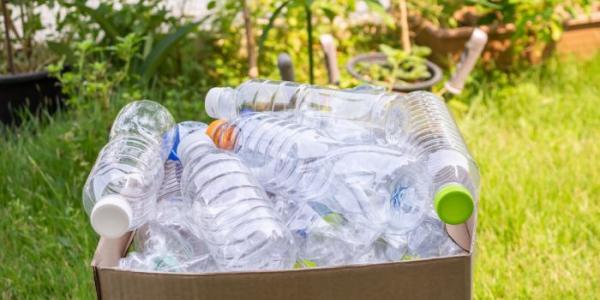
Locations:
{"points": [[435, 278]]}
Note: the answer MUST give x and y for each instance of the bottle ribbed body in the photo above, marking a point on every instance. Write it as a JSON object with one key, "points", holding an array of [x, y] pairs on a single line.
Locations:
{"points": [[374, 185], [240, 224], [346, 115], [171, 186], [121, 190], [286, 157], [430, 126]]}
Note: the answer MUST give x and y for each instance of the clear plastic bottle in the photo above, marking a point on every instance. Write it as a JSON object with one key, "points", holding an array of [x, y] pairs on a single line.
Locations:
{"points": [[429, 125], [367, 183], [172, 242], [171, 186], [327, 238], [384, 250], [241, 226], [355, 115], [120, 192], [419, 117], [430, 239]]}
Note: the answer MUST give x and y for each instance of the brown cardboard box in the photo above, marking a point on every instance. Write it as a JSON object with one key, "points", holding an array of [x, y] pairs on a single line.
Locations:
{"points": [[436, 278]]}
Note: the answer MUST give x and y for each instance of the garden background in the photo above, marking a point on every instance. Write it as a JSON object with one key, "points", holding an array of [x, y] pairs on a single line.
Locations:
{"points": [[532, 124]]}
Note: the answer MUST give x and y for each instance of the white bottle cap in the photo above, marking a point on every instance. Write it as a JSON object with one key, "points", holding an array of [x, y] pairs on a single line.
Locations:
{"points": [[211, 102], [111, 216]]}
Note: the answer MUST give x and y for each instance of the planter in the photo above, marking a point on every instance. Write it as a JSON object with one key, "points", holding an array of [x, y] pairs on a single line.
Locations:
{"points": [[33, 92], [380, 58], [447, 44], [581, 37]]}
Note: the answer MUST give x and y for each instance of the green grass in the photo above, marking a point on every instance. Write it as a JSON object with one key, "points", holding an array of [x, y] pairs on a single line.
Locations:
{"points": [[535, 138]]}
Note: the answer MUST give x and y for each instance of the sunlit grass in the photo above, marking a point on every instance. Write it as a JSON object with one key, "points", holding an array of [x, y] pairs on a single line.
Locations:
{"points": [[537, 144], [536, 138]]}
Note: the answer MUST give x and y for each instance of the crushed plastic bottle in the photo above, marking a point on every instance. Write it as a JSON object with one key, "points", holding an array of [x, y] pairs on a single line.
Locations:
{"points": [[369, 184], [120, 192], [384, 250], [327, 238], [172, 242], [430, 239], [241, 227]]}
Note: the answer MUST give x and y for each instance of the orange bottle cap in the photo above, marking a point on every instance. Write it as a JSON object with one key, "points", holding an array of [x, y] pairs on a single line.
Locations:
{"points": [[222, 133]]}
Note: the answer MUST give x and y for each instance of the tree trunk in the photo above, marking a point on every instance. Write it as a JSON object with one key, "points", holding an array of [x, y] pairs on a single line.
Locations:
{"points": [[309, 32], [252, 57], [404, 26], [7, 40]]}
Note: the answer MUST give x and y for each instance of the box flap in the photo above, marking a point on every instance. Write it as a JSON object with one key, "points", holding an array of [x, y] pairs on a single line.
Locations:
{"points": [[463, 234], [109, 251]]}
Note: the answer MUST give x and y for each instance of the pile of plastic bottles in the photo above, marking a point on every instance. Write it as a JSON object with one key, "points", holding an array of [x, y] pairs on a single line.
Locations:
{"points": [[289, 176]]}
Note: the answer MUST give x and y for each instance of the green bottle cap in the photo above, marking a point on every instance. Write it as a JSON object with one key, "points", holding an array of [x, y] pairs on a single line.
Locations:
{"points": [[453, 203]]}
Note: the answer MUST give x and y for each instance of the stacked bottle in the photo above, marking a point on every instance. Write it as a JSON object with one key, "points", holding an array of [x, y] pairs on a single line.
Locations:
{"points": [[240, 224], [419, 118], [369, 184], [120, 192]]}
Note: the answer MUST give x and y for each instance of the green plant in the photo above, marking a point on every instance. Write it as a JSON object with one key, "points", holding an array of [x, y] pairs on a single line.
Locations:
{"points": [[400, 66], [329, 8], [108, 25], [22, 52], [90, 81], [536, 23]]}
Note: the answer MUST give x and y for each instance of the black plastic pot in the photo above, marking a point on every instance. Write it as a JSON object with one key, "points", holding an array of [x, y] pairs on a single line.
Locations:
{"points": [[35, 92], [380, 58]]}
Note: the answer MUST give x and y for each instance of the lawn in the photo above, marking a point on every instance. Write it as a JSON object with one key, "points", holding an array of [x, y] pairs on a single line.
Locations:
{"points": [[534, 135]]}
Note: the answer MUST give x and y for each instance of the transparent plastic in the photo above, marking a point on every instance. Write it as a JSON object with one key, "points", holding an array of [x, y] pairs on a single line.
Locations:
{"points": [[327, 238], [120, 192], [430, 126], [430, 239], [355, 115], [171, 186], [241, 226], [371, 184], [172, 242], [419, 118]]}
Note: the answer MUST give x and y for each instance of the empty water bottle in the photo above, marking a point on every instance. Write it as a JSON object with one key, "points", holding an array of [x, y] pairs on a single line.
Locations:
{"points": [[171, 186], [429, 126], [171, 242], [367, 183], [120, 192], [241, 226], [356, 115]]}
